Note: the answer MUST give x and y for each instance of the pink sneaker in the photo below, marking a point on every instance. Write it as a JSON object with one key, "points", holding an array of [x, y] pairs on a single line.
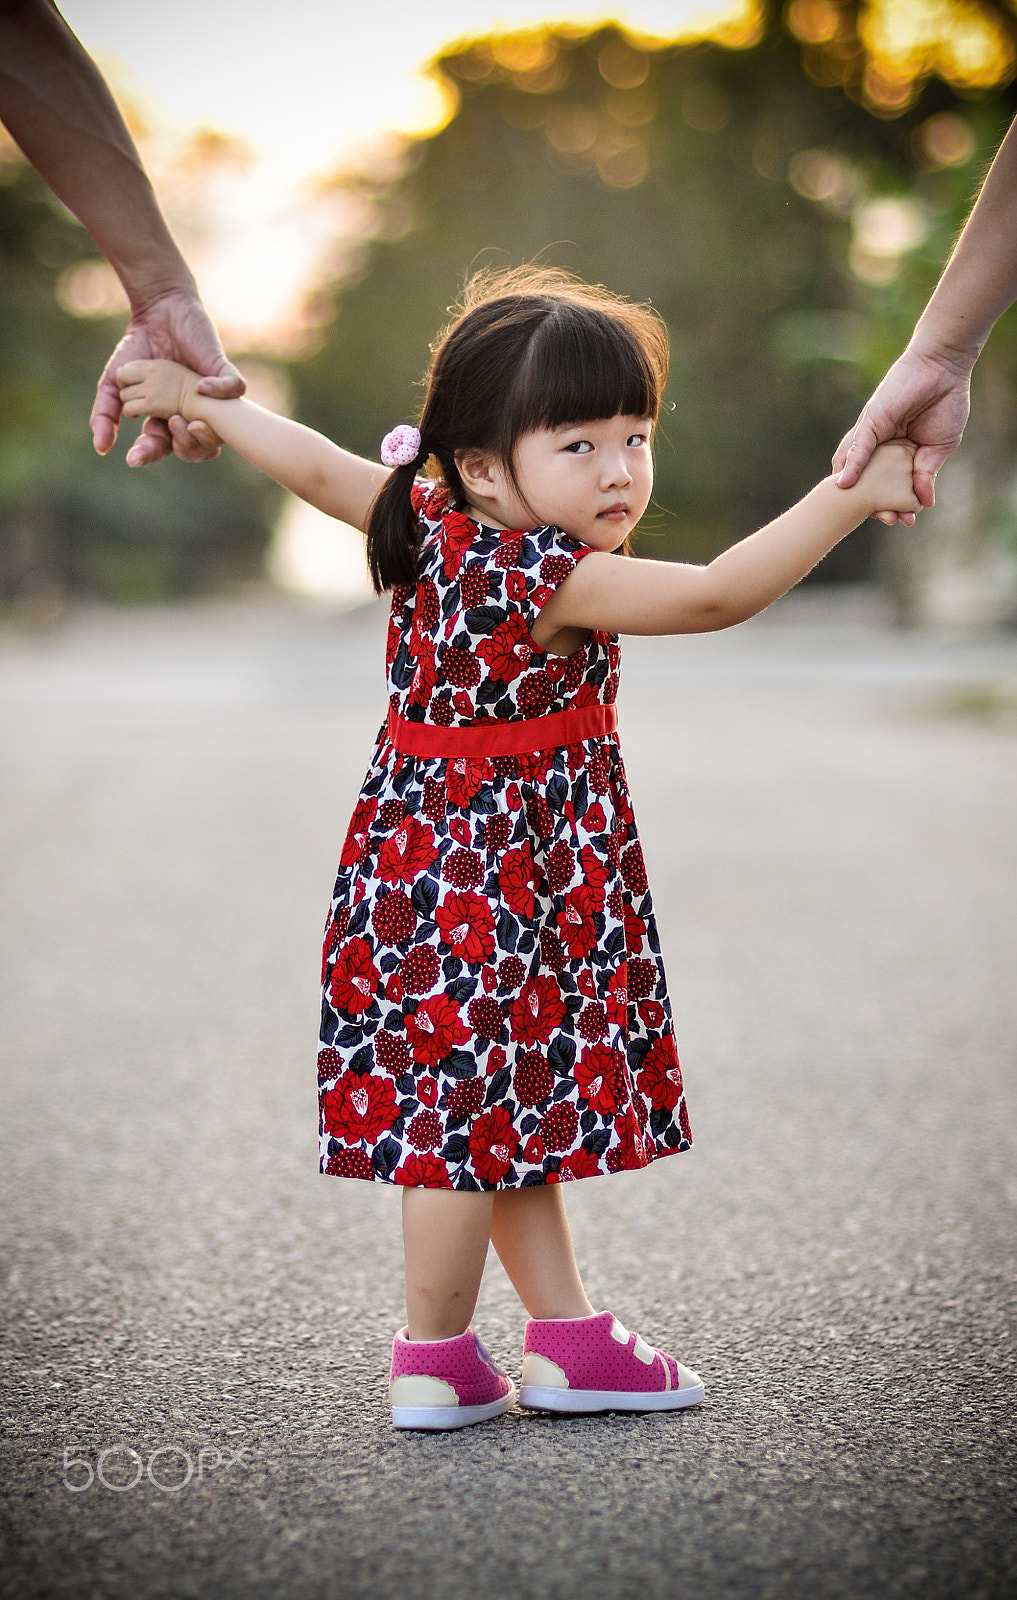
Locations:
{"points": [[445, 1383], [594, 1364]]}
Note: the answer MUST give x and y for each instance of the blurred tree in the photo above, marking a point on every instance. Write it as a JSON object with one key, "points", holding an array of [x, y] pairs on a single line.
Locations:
{"points": [[68, 520], [727, 185]]}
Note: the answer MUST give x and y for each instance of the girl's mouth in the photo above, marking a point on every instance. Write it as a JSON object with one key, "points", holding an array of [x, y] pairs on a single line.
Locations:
{"points": [[616, 513]]}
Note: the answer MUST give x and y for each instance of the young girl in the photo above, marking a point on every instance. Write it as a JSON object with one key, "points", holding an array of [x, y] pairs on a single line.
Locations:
{"points": [[495, 1019]]}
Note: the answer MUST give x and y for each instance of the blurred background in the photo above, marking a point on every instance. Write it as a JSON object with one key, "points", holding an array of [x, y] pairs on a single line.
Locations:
{"points": [[784, 183]]}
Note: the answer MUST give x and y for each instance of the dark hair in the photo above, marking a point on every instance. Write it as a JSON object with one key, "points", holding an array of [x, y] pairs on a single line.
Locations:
{"points": [[530, 348]]}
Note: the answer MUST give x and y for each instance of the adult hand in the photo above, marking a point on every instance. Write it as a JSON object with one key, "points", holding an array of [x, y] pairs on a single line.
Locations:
{"points": [[175, 327], [923, 398]]}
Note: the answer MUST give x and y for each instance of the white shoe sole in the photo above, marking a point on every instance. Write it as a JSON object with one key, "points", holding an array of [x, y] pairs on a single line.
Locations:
{"points": [[450, 1416], [537, 1398]]}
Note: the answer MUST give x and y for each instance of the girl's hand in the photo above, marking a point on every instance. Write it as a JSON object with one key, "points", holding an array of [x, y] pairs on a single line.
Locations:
{"points": [[886, 483], [158, 389]]}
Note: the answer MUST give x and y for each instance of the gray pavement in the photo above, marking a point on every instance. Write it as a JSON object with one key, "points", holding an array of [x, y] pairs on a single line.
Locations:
{"points": [[828, 815]]}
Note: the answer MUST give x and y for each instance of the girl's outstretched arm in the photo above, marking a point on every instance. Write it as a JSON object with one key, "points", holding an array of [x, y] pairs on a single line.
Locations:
{"points": [[619, 595], [305, 462]]}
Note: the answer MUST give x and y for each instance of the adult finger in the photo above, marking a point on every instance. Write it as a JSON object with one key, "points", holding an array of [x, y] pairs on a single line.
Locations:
{"points": [[152, 444], [187, 446], [928, 460], [105, 418], [863, 441], [227, 384], [206, 436]]}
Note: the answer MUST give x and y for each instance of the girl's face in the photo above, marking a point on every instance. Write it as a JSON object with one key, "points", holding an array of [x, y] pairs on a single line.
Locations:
{"points": [[592, 479]]}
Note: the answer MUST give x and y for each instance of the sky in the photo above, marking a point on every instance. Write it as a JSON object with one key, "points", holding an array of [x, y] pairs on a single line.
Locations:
{"points": [[309, 86]]}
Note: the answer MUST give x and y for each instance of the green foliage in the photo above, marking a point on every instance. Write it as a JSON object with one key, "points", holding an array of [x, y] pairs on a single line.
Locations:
{"points": [[67, 518], [675, 189]]}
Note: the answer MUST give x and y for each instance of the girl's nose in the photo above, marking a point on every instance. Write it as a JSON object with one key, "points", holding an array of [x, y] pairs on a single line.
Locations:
{"points": [[616, 473]]}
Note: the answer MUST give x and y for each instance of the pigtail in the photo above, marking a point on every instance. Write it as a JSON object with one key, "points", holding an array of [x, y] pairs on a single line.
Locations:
{"points": [[393, 531]]}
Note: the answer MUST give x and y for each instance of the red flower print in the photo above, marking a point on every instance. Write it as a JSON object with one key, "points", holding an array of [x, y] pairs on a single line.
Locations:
{"points": [[462, 780], [508, 552], [459, 828], [552, 953], [642, 976], [347, 1163], [630, 1151], [460, 667], [634, 872], [540, 816], [434, 800], [560, 867], [511, 973], [359, 1107], [393, 918], [600, 1079], [585, 983], [513, 797], [408, 853], [577, 920], [533, 1149], [508, 649], [426, 607], [651, 1012], [391, 1053], [635, 931], [532, 1079], [496, 831], [419, 971], [559, 1126], [423, 1172], [537, 1012], [425, 673], [516, 585], [595, 868], [435, 1029], [518, 877], [457, 534], [466, 923], [425, 1130], [553, 569], [355, 978], [591, 1022], [496, 1059], [580, 1164], [462, 705], [465, 1098], [485, 1016], [463, 869], [617, 998], [535, 694], [427, 1091], [534, 766], [594, 820], [660, 1077], [493, 1144], [356, 838], [683, 1122], [474, 586], [329, 1065]]}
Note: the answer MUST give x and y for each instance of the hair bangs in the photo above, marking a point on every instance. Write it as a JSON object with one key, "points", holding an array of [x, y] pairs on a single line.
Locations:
{"points": [[583, 364]]}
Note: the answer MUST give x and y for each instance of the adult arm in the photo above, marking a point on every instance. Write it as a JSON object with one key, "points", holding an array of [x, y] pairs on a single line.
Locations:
{"points": [[57, 107], [925, 396]]}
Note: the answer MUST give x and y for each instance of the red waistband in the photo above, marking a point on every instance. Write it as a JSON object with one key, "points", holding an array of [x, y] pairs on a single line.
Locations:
{"points": [[502, 738]]}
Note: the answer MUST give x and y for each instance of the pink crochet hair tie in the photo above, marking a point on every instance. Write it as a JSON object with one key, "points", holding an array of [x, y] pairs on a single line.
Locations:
{"points": [[401, 447]]}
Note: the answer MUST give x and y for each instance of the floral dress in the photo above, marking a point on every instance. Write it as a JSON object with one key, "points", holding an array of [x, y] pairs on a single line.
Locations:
{"points": [[494, 1009]]}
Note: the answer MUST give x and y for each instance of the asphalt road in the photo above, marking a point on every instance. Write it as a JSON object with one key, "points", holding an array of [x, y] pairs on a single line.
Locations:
{"points": [[197, 1325]]}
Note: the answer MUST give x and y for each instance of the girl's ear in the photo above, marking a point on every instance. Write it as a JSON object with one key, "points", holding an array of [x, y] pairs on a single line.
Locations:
{"points": [[478, 471]]}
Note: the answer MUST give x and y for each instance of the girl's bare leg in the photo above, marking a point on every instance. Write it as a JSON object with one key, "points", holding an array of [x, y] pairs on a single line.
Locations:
{"points": [[445, 1239], [530, 1231]]}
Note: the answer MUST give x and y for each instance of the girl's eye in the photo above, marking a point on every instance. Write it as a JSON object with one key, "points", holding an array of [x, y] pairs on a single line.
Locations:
{"points": [[636, 438], [580, 447]]}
